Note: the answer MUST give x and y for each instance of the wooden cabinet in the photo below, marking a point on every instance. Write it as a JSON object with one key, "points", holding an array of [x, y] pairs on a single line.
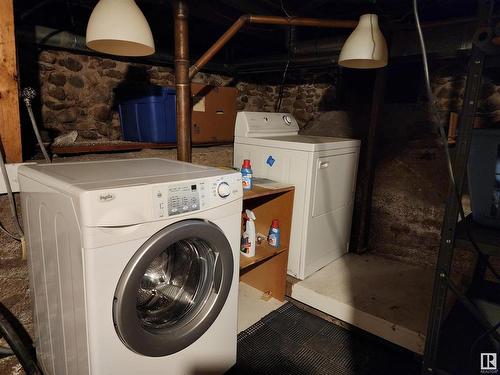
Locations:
{"points": [[266, 271]]}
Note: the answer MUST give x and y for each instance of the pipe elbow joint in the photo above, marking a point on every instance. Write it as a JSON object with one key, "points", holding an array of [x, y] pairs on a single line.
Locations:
{"points": [[246, 18]]}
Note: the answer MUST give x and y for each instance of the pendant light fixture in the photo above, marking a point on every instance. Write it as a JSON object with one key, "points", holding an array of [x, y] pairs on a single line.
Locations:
{"points": [[366, 47], [118, 27]]}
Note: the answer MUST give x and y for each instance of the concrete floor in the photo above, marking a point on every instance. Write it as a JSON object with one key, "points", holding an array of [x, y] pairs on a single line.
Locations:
{"points": [[252, 307]]}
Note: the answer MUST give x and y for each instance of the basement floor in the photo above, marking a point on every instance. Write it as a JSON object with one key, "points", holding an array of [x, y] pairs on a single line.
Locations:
{"points": [[253, 306], [387, 298], [292, 341]]}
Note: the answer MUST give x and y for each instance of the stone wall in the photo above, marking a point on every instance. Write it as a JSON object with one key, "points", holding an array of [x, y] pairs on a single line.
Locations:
{"points": [[448, 85], [411, 178], [409, 188], [303, 101], [77, 93]]}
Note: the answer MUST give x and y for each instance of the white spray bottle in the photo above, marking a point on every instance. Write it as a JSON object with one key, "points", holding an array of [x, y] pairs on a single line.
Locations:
{"points": [[250, 234]]}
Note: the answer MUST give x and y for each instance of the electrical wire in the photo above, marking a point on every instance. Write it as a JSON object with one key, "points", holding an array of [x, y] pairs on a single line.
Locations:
{"points": [[444, 140], [277, 107], [13, 209], [282, 87], [19, 342], [283, 9], [5, 231]]}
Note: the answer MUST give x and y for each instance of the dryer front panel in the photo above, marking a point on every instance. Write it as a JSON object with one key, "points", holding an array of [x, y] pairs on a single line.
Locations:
{"points": [[173, 288]]}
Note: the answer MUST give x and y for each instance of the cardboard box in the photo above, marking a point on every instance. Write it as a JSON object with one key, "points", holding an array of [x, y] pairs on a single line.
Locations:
{"points": [[214, 114]]}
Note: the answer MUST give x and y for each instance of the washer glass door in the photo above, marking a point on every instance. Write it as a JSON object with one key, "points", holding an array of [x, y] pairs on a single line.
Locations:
{"points": [[173, 288]]}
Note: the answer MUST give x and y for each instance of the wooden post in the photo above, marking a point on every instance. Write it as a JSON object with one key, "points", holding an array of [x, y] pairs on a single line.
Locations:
{"points": [[10, 122], [362, 210]]}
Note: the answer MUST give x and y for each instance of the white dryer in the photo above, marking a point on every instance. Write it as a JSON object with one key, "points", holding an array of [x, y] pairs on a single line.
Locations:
{"points": [[133, 266], [323, 170]]}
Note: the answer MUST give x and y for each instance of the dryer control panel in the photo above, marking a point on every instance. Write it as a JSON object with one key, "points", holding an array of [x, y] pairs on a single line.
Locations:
{"points": [[180, 198]]}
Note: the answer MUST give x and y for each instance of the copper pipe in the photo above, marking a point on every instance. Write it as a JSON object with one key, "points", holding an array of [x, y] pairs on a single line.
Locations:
{"points": [[267, 20], [207, 56], [313, 22], [182, 81]]}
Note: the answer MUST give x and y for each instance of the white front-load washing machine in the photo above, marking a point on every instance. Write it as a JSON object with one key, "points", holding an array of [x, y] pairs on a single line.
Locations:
{"points": [[133, 266]]}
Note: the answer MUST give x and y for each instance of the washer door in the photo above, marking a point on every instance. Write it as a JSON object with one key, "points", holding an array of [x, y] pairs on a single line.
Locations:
{"points": [[173, 288]]}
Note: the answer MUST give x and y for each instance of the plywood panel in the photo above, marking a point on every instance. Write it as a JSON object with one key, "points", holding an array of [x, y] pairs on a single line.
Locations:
{"points": [[279, 207], [10, 125], [269, 277], [384, 297]]}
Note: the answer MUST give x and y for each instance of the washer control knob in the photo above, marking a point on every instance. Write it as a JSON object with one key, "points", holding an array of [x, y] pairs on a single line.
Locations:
{"points": [[287, 120], [223, 190]]}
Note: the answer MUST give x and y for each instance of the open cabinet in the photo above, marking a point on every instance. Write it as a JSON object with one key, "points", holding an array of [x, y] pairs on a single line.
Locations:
{"points": [[267, 270]]}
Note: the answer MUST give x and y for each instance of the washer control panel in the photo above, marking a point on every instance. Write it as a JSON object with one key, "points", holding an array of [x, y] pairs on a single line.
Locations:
{"points": [[170, 200], [179, 198], [184, 198]]}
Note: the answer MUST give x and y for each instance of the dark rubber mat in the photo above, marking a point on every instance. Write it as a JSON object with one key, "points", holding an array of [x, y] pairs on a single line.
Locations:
{"points": [[292, 341]]}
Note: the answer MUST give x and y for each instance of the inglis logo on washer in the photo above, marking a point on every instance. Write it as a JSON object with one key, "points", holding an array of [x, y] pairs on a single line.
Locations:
{"points": [[106, 197]]}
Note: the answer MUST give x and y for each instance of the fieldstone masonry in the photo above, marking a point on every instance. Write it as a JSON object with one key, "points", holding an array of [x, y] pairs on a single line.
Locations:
{"points": [[77, 93]]}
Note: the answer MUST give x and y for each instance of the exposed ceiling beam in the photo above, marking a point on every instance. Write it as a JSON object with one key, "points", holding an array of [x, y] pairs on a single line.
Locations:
{"points": [[246, 6]]}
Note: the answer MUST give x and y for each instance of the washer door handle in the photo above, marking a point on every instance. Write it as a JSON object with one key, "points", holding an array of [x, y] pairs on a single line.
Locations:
{"points": [[324, 164], [217, 273]]}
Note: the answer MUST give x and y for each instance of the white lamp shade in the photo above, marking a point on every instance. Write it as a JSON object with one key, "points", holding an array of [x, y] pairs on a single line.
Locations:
{"points": [[366, 47], [118, 27]]}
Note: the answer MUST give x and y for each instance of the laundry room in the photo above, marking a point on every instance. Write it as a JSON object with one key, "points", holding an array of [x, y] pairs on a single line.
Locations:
{"points": [[249, 187]]}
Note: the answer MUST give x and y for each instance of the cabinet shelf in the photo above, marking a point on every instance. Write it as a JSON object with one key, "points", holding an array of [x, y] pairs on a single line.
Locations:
{"points": [[266, 271], [260, 191], [262, 252]]}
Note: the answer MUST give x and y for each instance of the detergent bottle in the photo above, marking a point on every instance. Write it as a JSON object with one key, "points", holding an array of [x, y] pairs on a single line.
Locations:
{"points": [[246, 175], [274, 234], [249, 236]]}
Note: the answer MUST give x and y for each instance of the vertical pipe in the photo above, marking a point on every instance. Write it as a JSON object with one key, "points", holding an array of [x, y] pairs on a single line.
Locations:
{"points": [[182, 81]]}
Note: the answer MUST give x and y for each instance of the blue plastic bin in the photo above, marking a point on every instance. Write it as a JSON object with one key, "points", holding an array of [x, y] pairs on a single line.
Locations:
{"points": [[483, 170], [147, 114]]}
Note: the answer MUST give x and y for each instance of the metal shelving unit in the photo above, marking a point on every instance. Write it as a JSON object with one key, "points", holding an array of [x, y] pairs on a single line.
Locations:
{"points": [[456, 233]]}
